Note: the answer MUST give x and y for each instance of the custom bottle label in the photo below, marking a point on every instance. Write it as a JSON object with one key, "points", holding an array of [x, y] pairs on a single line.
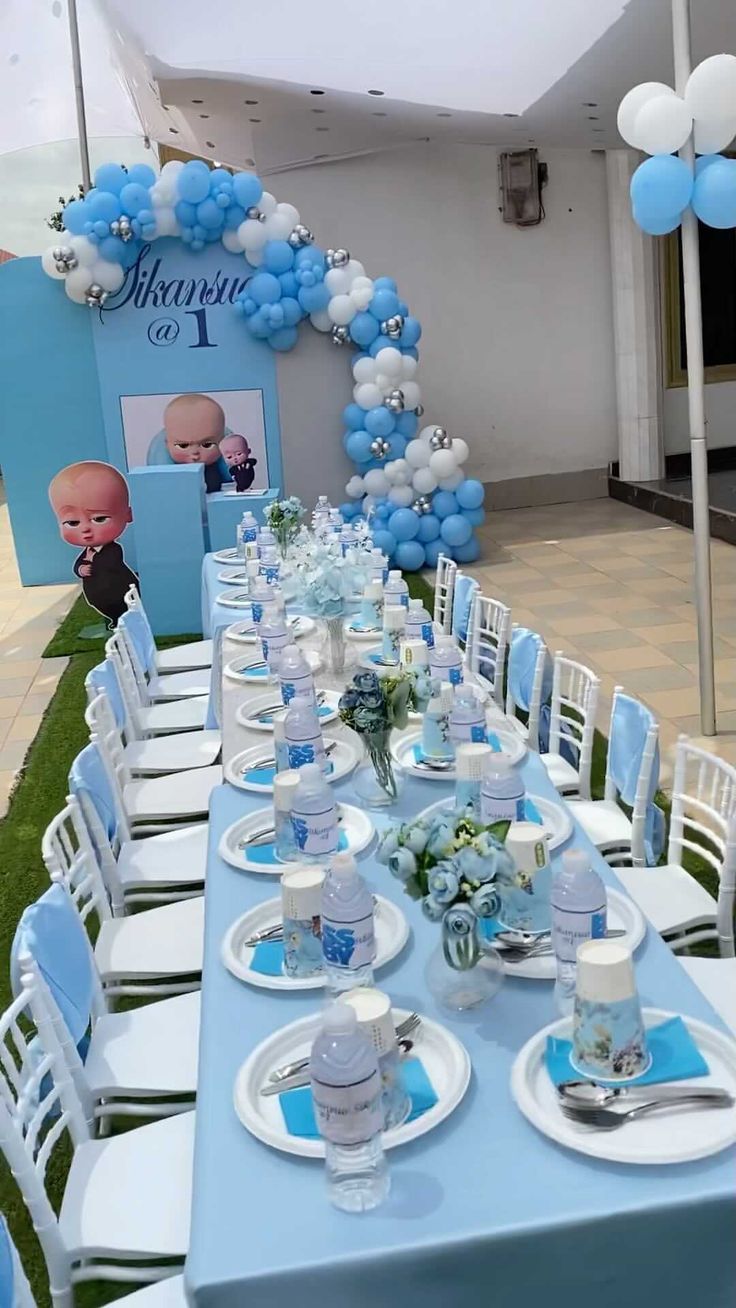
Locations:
{"points": [[298, 688], [348, 1114], [270, 571], [249, 533], [349, 945], [570, 929], [501, 810], [314, 833], [391, 645]]}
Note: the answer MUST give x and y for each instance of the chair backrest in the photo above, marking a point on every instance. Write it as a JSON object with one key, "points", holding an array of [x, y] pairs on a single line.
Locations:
{"points": [[134, 690], [38, 1105], [69, 855], [134, 628], [444, 589], [132, 598], [462, 605], [100, 799], [489, 630], [105, 734], [528, 680], [103, 679], [573, 710], [15, 1292], [632, 765], [703, 821]]}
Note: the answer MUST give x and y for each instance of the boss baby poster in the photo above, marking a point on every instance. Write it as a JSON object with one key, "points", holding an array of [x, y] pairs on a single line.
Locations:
{"points": [[222, 430], [92, 508]]}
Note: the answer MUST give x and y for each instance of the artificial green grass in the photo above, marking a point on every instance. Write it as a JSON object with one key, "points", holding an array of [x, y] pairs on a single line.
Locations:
{"points": [[83, 631]]}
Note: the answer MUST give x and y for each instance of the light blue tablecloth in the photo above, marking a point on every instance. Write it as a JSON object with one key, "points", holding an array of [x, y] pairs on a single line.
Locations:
{"points": [[484, 1209], [216, 615]]}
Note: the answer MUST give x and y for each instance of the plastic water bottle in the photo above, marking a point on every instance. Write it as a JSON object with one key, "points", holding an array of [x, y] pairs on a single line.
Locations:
{"points": [[446, 661], [252, 573], [265, 537], [468, 717], [274, 636], [394, 618], [371, 608], [579, 912], [436, 742], [314, 816], [304, 736], [323, 505], [348, 539], [262, 594], [270, 564], [285, 786], [348, 935], [396, 589], [295, 676], [247, 533], [346, 1092], [471, 762], [280, 745], [379, 565], [336, 521], [419, 623], [502, 793]]}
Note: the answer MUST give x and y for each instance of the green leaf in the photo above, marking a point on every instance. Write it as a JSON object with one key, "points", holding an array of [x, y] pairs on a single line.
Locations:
{"points": [[500, 830]]}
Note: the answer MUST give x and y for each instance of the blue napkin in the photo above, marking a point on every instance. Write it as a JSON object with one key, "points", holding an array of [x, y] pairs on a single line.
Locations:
{"points": [[358, 625], [675, 1057], [251, 674], [494, 742], [268, 958], [377, 658], [531, 812], [266, 853], [261, 776], [296, 1105]]}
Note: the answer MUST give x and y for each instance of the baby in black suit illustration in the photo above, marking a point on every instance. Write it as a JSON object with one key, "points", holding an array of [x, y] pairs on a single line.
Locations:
{"points": [[235, 450], [92, 506]]}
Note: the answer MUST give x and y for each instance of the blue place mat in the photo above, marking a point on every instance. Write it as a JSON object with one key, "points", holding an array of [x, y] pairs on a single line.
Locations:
{"points": [[266, 853], [296, 1105], [675, 1057]]}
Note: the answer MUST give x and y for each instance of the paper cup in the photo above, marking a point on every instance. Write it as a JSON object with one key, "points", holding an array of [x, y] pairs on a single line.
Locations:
{"points": [[373, 1011], [608, 1036], [301, 903], [528, 845]]}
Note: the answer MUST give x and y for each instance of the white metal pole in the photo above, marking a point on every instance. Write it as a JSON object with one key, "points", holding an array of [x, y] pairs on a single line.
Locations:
{"points": [[79, 95], [696, 397]]}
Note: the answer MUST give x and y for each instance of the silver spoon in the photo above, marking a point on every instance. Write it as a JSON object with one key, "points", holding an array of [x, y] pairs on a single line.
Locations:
{"points": [[587, 1095], [431, 765], [606, 1119]]}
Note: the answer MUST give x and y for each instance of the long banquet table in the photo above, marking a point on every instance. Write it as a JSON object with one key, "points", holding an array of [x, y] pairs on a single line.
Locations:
{"points": [[483, 1209]]}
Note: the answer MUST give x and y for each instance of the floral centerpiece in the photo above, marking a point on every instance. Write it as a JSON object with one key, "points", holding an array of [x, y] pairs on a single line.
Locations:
{"points": [[327, 594], [372, 706], [283, 518]]}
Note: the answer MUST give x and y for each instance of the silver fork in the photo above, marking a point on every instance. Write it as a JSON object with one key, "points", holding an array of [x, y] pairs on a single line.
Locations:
{"points": [[283, 1073], [271, 762], [270, 710], [607, 1119]]}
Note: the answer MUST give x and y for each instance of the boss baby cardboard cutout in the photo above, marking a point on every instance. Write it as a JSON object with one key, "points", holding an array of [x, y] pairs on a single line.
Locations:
{"points": [[235, 450], [92, 506]]}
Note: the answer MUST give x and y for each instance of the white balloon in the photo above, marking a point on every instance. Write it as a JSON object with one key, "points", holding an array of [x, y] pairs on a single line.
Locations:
{"points": [[409, 366], [167, 225], [355, 268], [424, 481], [369, 503], [254, 257], [375, 482], [412, 394], [288, 212], [390, 361], [321, 320], [451, 483], [663, 124], [355, 488], [48, 263], [171, 168], [86, 251], [108, 275], [713, 134], [338, 281], [390, 471], [164, 191], [252, 234], [711, 88], [267, 204], [401, 496], [77, 284], [460, 450], [364, 370], [362, 283], [367, 395], [341, 310], [278, 227], [231, 241], [361, 295], [632, 102], [385, 382], [398, 472], [417, 454], [442, 463]]}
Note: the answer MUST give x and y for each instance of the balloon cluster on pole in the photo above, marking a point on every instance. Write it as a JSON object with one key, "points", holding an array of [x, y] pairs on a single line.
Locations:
{"points": [[410, 482], [652, 118]]}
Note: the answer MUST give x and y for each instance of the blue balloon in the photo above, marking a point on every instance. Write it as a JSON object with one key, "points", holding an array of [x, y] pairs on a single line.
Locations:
{"points": [[349, 510], [468, 552], [383, 509], [100, 229], [403, 308], [475, 516], [289, 284], [193, 181], [314, 298], [397, 446], [364, 328], [404, 524], [705, 161], [714, 194], [470, 494], [247, 189], [358, 446], [234, 216], [264, 288], [656, 227], [444, 503], [141, 173], [221, 178], [660, 187], [385, 303], [310, 256], [209, 214], [258, 325], [292, 311], [384, 284], [429, 528], [104, 206], [110, 177], [385, 540], [113, 249], [284, 339], [352, 415], [410, 332], [199, 232], [432, 551], [278, 256], [407, 424], [379, 422], [185, 213], [410, 350], [410, 555], [456, 530], [75, 216]]}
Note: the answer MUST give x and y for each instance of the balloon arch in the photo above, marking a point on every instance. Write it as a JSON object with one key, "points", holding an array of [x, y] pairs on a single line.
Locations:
{"points": [[410, 479]]}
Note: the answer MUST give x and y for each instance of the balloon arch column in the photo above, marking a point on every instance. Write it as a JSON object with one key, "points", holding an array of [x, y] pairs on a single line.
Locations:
{"points": [[410, 478]]}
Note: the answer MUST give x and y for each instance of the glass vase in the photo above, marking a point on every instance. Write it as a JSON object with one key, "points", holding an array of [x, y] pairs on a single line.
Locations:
{"points": [[335, 645], [462, 972], [378, 780]]}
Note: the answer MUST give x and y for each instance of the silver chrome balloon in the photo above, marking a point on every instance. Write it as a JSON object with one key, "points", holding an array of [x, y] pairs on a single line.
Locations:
{"points": [[380, 448], [253, 212], [95, 296], [64, 258], [340, 258], [421, 505], [340, 335], [125, 231], [394, 401], [300, 236], [440, 439], [393, 327]]}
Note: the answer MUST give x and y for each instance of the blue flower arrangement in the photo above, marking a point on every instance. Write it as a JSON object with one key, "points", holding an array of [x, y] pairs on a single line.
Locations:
{"points": [[372, 706], [449, 861]]}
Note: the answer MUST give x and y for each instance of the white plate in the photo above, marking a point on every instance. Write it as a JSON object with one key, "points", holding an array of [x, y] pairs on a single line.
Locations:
{"points": [[392, 933], [556, 817], [244, 633], [445, 1060], [247, 714], [623, 914], [512, 746], [355, 633], [227, 556], [239, 599], [669, 1136], [356, 825], [343, 759], [255, 670], [370, 660], [236, 577]]}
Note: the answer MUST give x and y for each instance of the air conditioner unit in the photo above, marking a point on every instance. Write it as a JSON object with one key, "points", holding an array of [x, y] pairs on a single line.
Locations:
{"points": [[522, 177]]}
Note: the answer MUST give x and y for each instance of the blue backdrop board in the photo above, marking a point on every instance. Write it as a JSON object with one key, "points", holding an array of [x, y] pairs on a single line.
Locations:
{"points": [[171, 545], [225, 509]]}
